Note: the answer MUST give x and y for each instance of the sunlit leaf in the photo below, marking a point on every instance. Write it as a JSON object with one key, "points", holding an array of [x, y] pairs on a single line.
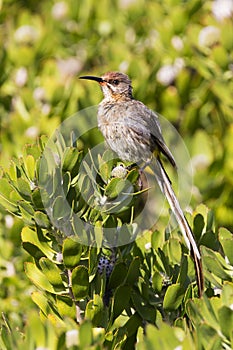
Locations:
{"points": [[80, 282], [72, 251]]}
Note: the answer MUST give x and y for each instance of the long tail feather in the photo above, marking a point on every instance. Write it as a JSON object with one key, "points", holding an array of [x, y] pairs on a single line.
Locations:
{"points": [[166, 188]]}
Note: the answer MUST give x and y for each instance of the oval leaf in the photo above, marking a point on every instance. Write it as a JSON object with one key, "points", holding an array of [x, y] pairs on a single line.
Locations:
{"points": [[52, 272], [173, 297], [80, 282], [72, 251], [121, 300]]}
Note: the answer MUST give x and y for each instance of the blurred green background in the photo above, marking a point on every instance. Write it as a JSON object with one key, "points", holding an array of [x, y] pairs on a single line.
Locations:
{"points": [[179, 55]]}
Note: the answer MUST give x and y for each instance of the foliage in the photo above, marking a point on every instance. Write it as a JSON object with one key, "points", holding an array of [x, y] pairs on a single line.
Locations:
{"points": [[179, 56], [116, 291]]}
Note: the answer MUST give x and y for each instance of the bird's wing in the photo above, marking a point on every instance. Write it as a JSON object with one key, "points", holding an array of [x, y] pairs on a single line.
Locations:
{"points": [[144, 121]]}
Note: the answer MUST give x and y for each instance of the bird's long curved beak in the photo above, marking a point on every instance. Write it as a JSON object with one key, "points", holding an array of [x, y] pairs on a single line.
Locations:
{"points": [[90, 77]]}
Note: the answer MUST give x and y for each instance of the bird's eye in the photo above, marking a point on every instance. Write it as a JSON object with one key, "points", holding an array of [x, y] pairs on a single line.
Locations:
{"points": [[115, 82]]}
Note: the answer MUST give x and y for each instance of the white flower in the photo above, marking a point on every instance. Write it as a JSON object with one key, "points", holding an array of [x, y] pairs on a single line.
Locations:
{"points": [[123, 67], [179, 347], [9, 221], [32, 132], [200, 161], [124, 4], [72, 338], [69, 67], [39, 94], [59, 257], [148, 246], [208, 36], [217, 291], [26, 34], [166, 74], [177, 43], [10, 269], [179, 64], [130, 35], [119, 171], [222, 9], [32, 185], [105, 28], [59, 10], [21, 76], [101, 200], [45, 109]]}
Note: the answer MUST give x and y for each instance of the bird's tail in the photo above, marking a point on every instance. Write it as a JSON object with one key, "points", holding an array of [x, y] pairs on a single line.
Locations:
{"points": [[166, 188]]}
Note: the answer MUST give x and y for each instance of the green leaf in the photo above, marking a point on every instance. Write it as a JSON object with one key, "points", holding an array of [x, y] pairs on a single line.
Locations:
{"points": [[226, 240], [42, 220], [96, 312], [70, 158], [132, 175], [198, 226], [80, 282], [35, 322], [98, 231], [53, 273], [33, 250], [36, 199], [65, 306], [85, 335], [174, 250], [145, 310], [5, 194], [120, 300], [157, 239], [92, 261], [118, 275], [226, 321], [71, 252], [182, 278], [132, 325], [30, 166], [114, 187], [209, 338], [227, 294], [173, 297], [157, 281], [37, 239], [38, 278], [163, 337], [61, 208], [66, 183], [105, 170], [27, 212], [24, 188], [133, 272], [46, 307], [215, 263], [32, 150]]}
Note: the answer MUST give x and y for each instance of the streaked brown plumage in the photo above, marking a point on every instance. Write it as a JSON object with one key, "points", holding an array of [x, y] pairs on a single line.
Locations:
{"points": [[134, 133]]}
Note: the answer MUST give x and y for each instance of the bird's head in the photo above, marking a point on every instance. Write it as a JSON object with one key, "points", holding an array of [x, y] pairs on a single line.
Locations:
{"points": [[115, 85]]}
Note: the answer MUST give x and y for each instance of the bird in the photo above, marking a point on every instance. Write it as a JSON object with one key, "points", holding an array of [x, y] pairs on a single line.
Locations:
{"points": [[133, 132]]}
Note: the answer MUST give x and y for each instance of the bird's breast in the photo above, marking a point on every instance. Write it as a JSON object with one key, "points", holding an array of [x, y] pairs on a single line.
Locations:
{"points": [[122, 133]]}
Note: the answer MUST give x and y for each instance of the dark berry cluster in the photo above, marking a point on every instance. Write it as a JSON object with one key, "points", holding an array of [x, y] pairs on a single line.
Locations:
{"points": [[105, 264]]}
